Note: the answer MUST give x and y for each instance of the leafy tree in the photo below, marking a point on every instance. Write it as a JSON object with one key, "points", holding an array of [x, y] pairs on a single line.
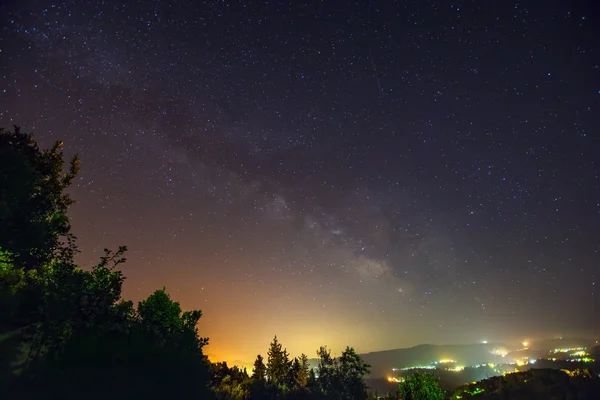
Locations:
{"points": [[125, 357], [79, 301], [34, 225], [420, 386], [218, 372], [229, 383], [33, 202]]}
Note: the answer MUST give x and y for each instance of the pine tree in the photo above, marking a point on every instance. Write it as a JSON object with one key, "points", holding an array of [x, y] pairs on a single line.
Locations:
{"points": [[351, 373], [294, 373], [327, 373], [277, 363], [258, 383], [260, 370], [302, 378]]}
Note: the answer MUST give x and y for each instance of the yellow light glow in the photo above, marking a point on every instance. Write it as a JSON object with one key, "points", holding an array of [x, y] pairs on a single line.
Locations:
{"points": [[525, 344], [446, 361], [500, 352]]}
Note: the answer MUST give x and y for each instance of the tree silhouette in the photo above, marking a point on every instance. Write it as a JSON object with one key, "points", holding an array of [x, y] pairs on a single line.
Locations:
{"points": [[131, 356], [33, 202], [277, 364], [34, 226], [302, 377], [327, 383], [260, 370], [351, 373]]}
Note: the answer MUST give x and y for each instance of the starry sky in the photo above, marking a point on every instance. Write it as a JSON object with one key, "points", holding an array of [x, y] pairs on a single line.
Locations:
{"points": [[377, 174]]}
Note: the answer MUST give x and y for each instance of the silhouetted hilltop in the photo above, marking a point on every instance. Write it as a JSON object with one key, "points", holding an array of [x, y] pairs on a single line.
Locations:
{"points": [[535, 384]]}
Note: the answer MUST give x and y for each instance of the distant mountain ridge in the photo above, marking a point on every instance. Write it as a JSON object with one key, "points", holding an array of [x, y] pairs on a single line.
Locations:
{"points": [[382, 362]]}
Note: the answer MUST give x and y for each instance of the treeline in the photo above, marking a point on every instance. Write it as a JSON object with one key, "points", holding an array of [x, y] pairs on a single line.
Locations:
{"points": [[66, 332], [285, 378]]}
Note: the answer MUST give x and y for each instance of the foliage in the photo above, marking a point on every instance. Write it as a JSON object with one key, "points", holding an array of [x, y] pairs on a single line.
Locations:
{"points": [[229, 383], [351, 372], [129, 359], [33, 202], [260, 370], [278, 364], [66, 330], [163, 319], [34, 227], [302, 374], [341, 378], [326, 382], [420, 386]]}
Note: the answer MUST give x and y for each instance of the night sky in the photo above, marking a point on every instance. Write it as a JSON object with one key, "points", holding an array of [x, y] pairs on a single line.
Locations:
{"points": [[377, 174]]}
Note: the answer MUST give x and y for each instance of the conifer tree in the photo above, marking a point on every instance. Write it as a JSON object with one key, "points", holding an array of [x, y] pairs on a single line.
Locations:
{"points": [[327, 373], [294, 373], [302, 379], [277, 369], [351, 374], [260, 370]]}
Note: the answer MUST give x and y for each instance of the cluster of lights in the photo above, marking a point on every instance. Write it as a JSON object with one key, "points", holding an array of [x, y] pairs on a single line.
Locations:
{"points": [[500, 352], [568, 349], [584, 359], [435, 365], [576, 351], [419, 367], [576, 354]]}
